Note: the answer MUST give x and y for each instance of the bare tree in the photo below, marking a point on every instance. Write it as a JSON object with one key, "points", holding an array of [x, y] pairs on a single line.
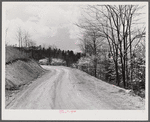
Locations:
{"points": [[27, 39], [19, 36], [91, 43], [31, 45], [115, 23]]}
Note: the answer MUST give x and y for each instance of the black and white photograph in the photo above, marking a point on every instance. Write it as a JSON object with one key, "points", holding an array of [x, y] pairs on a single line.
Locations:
{"points": [[74, 60]]}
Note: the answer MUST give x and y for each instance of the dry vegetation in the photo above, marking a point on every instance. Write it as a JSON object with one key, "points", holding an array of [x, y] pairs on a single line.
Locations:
{"points": [[13, 54]]}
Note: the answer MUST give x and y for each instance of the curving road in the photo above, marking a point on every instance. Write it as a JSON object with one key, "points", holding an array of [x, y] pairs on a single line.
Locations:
{"points": [[66, 88]]}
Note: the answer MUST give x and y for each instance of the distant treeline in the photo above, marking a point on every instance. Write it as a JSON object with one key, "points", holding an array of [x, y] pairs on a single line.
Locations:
{"points": [[39, 52]]}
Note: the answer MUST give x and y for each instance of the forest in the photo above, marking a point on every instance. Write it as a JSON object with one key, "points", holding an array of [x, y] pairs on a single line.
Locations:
{"points": [[113, 40]]}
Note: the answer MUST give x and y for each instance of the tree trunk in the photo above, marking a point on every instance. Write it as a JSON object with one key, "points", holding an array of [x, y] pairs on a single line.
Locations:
{"points": [[130, 56], [123, 76], [117, 74], [95, 68]]}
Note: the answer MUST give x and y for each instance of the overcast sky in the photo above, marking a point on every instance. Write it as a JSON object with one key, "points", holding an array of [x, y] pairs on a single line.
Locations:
{"points": [[47, 23]]}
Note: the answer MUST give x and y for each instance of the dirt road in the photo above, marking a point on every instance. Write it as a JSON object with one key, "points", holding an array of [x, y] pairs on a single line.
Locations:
{"points": [[66, 88]]}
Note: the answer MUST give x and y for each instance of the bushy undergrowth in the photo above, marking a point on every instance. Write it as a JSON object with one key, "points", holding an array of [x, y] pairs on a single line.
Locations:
{"points": [[13, 54], [106, 72]]}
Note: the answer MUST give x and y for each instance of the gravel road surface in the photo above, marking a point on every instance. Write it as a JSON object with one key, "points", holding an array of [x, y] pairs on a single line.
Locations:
{"points": [[67, 88]]}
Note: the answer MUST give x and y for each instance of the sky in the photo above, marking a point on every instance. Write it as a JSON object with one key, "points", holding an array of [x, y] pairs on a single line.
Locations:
{"points": [[48, 23]]}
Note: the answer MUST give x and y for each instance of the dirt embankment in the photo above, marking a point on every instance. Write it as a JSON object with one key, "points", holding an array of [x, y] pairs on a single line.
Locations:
{"points": [[19, 71], [19, 74]]}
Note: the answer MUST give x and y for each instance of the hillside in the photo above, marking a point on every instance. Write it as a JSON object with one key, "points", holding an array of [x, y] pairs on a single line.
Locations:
{"points": [[20, 70]]}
